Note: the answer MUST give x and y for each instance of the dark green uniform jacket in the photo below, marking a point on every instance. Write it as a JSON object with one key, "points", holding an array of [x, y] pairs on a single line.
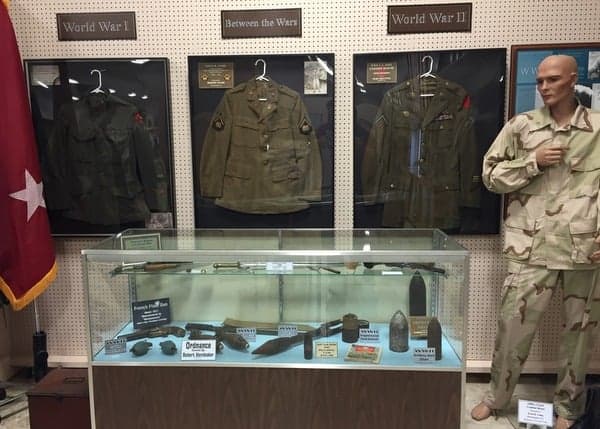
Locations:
{"points": [[102, 167], [421, 159], [260, 154]]}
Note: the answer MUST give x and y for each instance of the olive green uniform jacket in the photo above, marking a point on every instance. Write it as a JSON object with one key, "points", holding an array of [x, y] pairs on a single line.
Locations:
{"points": [[101, 165], [260, 154], [421, 159]]}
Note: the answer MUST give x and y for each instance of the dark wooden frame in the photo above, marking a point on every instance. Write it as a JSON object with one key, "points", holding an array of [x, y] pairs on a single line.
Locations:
{"points": [[286, 69], [487, 91], [514, 66], [555, 47], [167, 150]]}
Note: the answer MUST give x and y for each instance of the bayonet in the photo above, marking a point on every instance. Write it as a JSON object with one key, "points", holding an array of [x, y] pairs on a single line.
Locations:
{"points": [[150, 267], [159, 331], [425, 266]]}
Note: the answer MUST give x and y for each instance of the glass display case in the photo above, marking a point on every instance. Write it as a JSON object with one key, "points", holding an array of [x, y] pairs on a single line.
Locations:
{"points": [[368, 303]]}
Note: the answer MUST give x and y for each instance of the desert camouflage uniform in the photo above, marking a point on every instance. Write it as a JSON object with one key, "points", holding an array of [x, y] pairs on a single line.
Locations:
{"points": [[550, 230]]}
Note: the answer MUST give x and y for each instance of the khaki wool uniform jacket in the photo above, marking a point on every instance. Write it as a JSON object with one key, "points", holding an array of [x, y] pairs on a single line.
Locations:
{"points": [[421, 159], [552, 214], [260, 154], [101, 165]]}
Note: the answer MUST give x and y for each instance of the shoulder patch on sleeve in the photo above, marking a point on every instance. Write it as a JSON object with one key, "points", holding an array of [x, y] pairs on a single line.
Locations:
{"points": [[305, 126], [138, 118], [466, 104], [218, 123], [380, 120]]}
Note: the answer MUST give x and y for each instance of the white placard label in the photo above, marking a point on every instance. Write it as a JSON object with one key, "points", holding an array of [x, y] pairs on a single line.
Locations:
{"points": [[199, 350], [368, 335], [249, 334], [540, 413], [141, 241], [326, 350], [115, 346], [287, 330], [424, 354], [279, 267], [45, 75]]}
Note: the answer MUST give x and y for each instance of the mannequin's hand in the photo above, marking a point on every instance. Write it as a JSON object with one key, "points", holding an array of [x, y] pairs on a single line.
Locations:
{"points": [[549, 155], [595, 257]]}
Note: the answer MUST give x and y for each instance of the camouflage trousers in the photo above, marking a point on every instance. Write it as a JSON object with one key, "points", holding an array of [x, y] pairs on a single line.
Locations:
{"points": [[526, 294]]}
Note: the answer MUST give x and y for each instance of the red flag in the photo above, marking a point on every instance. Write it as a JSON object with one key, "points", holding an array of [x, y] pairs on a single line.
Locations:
{"points": [[27, 260]]}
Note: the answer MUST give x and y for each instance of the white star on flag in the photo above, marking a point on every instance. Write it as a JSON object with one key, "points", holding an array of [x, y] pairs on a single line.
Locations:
{"points": [[32, 195]]}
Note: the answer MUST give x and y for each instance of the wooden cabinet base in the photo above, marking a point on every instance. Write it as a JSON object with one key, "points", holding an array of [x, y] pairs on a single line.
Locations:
{"points": [[274, 398]]}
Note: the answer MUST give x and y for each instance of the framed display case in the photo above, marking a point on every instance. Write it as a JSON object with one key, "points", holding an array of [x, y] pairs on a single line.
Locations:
{"points": [[525, 59], [104, 142], [262, 140], [245, 328], [422, 123]]}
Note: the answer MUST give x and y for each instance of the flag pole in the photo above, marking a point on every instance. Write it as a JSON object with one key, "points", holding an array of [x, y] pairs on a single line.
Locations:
{"points": [[37, 316], [40, 354]]}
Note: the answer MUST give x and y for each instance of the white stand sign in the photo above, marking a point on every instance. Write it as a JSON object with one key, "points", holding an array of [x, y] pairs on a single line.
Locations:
{"points": [[537, 413]]}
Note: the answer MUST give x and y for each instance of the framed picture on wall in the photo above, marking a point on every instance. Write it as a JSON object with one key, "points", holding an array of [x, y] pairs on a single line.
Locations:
{"points": [[422, 123], [262, 140], [103, 130], [525, 59]]}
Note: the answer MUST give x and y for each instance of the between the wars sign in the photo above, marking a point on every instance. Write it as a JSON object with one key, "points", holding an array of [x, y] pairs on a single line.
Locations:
{"points": [[261, 23]]}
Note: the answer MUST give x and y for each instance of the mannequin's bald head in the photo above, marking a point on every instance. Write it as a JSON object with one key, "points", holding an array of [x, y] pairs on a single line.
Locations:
{"points": [[556, 78], [565, 62]]}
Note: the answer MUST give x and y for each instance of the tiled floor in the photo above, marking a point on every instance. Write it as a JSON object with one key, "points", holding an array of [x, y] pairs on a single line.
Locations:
{"points": [[13, 410], [535, 388], [532, 388]]}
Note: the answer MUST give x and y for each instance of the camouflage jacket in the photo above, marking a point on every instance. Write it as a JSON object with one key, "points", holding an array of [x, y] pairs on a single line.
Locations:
{"points": [[552, 213], [260, 154], [100, 164], [421, 159]]}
